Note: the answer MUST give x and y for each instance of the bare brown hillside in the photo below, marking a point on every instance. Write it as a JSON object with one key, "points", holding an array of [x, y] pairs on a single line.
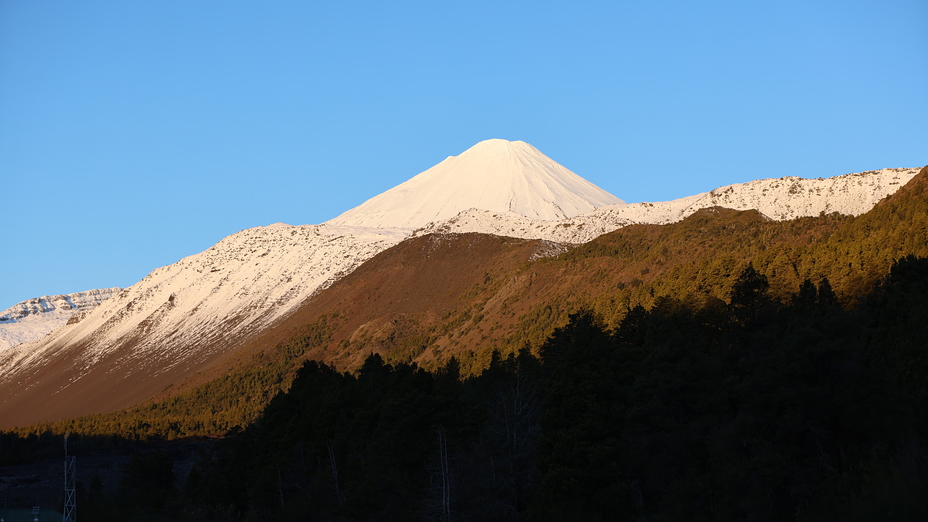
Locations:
{"points": [[111, 384]]}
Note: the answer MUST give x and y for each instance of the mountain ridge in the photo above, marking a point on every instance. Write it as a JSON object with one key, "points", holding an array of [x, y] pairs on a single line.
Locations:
{"points": [[508, 302], [777, 198], [184, 316], [189, 316], [35, 318]]}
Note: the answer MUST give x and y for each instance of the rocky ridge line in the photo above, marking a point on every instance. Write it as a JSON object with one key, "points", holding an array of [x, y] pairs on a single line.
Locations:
{"points": [[35, 318], [779, 199]]}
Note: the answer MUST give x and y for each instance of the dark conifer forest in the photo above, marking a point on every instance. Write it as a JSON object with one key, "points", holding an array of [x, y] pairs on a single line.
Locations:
{"points": [[750, 409]]}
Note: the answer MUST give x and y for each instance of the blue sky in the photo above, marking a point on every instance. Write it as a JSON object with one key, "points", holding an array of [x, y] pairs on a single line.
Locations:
{"points": [[135, 133]]}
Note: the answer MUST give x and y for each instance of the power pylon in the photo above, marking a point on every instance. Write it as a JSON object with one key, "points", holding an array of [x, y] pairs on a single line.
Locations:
{"points": [[70, 498]]}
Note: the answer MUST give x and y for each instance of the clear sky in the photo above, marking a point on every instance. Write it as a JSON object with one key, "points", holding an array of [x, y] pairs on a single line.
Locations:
{"points": [[135, 133]]}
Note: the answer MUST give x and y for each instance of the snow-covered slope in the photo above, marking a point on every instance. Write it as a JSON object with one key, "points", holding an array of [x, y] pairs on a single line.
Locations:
{"points": [[184, 313], [495, 175], [35, 318], [779, 199]]}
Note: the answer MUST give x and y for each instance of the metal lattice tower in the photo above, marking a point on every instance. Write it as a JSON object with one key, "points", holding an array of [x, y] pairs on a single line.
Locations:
{"points": [[70, 498]]}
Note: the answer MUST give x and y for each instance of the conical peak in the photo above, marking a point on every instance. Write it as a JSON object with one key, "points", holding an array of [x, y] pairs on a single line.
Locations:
{"points": [[498, 145], [505, 166], [500, 148], [496, 175]]}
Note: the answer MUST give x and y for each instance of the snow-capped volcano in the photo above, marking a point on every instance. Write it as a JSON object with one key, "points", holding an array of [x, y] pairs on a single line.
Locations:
{"points": [[495, 175], [185, 317]]}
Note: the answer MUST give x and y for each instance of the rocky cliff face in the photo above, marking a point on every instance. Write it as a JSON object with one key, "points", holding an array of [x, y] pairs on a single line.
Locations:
{"points": [[35, 318]]}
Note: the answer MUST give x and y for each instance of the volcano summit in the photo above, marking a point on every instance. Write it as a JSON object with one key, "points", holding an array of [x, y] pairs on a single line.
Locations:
{"points": [[495, 175]]}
